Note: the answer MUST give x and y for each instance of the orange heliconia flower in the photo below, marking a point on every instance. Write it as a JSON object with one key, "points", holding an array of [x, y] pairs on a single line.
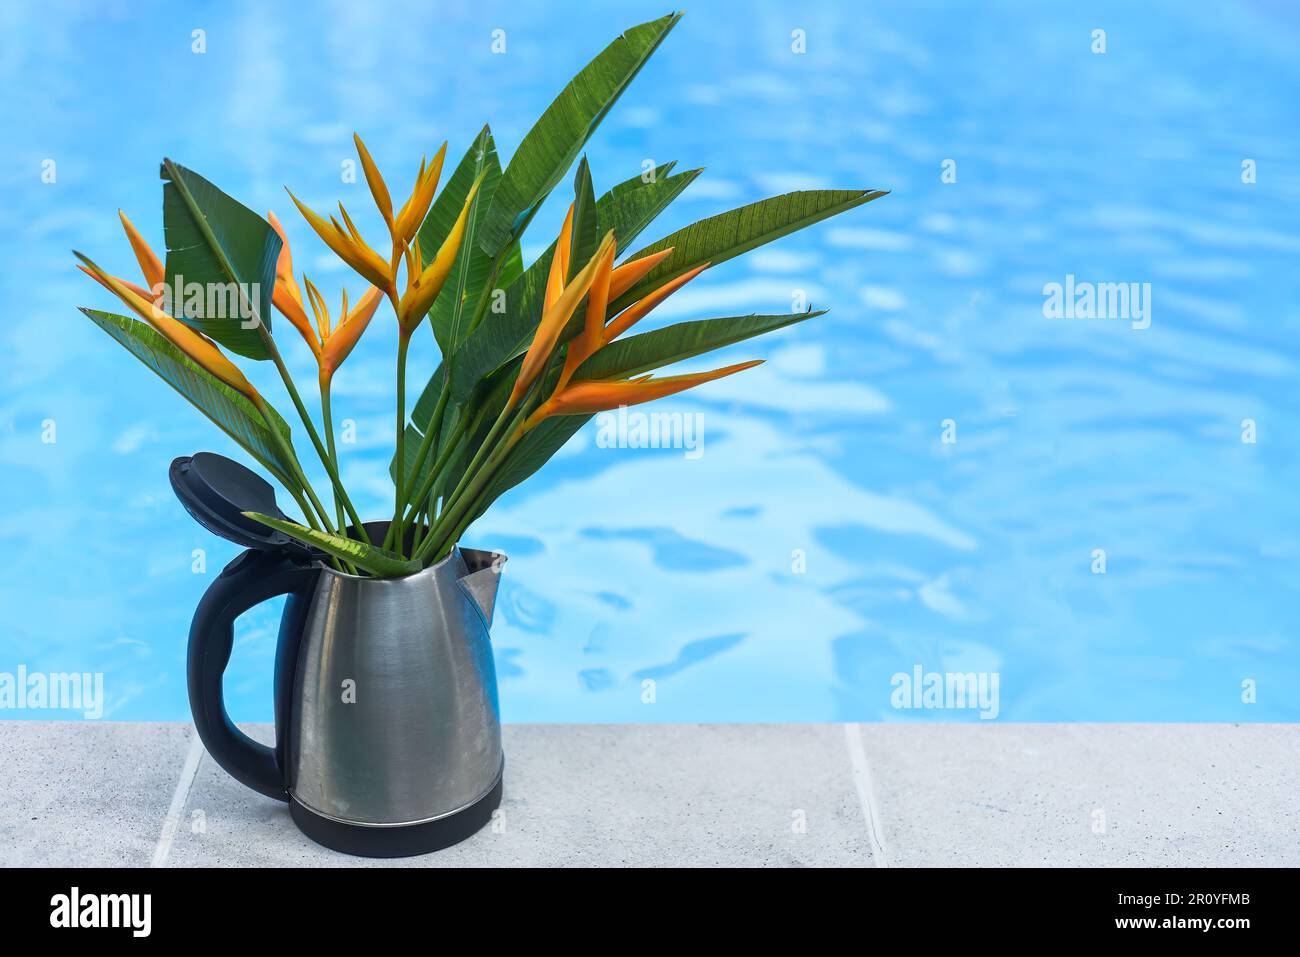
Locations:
{"points": [[378, 188], [286, 296], [349, 246], [424, 284], [601, 283], [559, 274], [592, 336], [193, 343], [329, 343], [629, 274], [150, 265], [555, 317], [335, 343], [622, 279], [411, 215], [403, 226], [585, 398]]}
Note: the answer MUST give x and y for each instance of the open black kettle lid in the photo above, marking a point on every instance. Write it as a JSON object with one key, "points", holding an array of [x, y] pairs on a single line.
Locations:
{"points": [[216, 491]]}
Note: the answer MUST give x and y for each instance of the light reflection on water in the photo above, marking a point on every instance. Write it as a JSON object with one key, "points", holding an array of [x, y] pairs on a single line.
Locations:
{"points": [[634, 565]]}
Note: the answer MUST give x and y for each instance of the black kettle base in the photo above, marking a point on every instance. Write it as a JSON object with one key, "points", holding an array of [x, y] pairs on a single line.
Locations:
{"points": [[399, 841]]}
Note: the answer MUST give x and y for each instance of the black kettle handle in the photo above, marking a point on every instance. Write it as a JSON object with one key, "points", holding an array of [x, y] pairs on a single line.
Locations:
{"points": [[252, 578]]}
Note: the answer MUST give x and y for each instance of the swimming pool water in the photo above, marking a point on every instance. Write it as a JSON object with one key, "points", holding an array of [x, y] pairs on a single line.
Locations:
{"points": [[830, 535]]}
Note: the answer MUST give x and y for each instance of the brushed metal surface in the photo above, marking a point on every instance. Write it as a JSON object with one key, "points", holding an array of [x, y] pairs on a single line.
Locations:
{"points": [[394, 716]]}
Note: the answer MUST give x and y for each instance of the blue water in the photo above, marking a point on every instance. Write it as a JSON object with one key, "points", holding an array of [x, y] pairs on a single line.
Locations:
{"points": [[633, 565]]}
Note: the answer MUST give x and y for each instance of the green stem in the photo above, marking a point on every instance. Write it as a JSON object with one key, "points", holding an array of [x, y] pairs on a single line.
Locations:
{"points": [[321, 451], [291, 457], [444, 394], [399, 480], [468, 475], [287, 451], [469, 478], [430, 434], [427, 513], [480, 310], [328, 421], [426, 485], [305, 509], [431, 508], [460, 508]]}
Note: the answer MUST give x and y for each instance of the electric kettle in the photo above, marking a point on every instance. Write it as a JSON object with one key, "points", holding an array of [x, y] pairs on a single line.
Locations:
{"points": [[387, 723]]}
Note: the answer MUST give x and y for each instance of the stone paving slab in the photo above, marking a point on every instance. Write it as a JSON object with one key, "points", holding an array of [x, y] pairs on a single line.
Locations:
{"points": [[599, 795], [706, 795], [1032, 795], [86, 793]]}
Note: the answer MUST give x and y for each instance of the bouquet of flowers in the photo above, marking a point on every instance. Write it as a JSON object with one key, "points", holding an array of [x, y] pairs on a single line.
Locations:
{"points": [[529, 353]]}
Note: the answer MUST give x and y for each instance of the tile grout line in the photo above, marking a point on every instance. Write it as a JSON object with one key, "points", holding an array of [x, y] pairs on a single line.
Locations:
{"points": [[182, 793], [861, 771]]}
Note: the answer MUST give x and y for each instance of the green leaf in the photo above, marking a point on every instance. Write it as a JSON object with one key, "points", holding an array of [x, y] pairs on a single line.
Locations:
{"points": [[512, 267], [484, 405], [377, 561], [631, 206], [452, 309], [410, 447], [533, 451], [230, 410], [501, 337], [684, 340], [727, 235], [634, 183], [715, 239], [584, 237], [428, 400], [228, 250], [627, 209], [557, 138], [625, 357]]}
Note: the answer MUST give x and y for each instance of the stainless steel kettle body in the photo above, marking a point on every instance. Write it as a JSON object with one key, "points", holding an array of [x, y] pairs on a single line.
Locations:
{"points": [[388, 729], [393, 718]]}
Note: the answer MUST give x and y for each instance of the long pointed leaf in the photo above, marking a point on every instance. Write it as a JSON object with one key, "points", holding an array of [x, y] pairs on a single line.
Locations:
{"points": [[684, 340], [711, 240], [631, 206], [228, 409], [727, 235], [626, 357], [533, 451], [229, 251], [377, 561], [585, 237], [557, 138], [451, 310], [428, 400]]}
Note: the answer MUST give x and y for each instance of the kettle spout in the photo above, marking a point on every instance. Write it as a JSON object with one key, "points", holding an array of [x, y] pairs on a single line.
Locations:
{"points": [[483, 578]]}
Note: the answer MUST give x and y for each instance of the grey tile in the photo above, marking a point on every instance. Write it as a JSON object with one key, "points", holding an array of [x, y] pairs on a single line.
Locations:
{"points": [[601, 795], [86, 794], [1202, 795], [1168, 795], [224, 824]]}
